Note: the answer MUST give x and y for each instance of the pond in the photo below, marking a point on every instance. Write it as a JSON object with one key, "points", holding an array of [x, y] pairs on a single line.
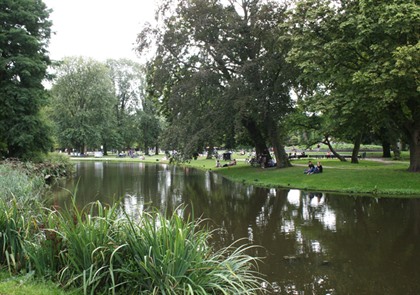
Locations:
{"points": [[313, 242]]}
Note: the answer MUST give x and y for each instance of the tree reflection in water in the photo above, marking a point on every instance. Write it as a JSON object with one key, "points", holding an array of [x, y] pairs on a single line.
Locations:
{"points": [[313, 242]]}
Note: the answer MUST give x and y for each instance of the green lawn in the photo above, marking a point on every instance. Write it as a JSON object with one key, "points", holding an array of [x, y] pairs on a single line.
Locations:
{"points": [[368, 177], [26, 285]]}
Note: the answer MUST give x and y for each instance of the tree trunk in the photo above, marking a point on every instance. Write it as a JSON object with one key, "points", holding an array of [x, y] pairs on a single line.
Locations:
{"points": [[105, 149], [210, 152], [156, 150], [396, 150], [282, 159], [386, 149], [256, 136], [414, 142], [337, 155], [356, 149]]}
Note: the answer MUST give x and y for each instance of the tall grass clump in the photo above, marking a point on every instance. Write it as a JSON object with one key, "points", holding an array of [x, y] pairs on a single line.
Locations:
{"points": [[102, 250], [19, 199], [173, 256], [17, 183]]}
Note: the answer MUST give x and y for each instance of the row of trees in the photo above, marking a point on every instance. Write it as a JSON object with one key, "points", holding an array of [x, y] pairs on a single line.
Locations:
{"points": [[98, 104], [90, 104], [240, 71], [225, 72]]}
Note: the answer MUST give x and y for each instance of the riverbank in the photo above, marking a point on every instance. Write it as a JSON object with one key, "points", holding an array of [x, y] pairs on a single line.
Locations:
{"points": [[371, 177]]}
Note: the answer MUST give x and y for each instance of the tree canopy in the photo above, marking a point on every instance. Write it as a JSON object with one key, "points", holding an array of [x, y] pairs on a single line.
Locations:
{"points": [[220, 69], [83, 103], [361, 59], [24, 35]]}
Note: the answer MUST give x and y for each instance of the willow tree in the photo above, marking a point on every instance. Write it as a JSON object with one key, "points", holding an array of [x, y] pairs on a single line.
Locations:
{"points": [[24, 35], [364, 55], [240, 46]]}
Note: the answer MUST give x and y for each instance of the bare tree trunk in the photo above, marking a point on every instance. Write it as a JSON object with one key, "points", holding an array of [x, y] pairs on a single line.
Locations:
{"points": [[282, 159], [210, 152], [337, 155], [414, 143], [386, 149], [256, 136], [105, 149], [356, 149], [396, 150]]}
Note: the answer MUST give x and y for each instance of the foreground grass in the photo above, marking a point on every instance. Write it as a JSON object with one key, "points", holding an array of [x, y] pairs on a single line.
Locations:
{"points": [[26, 285]]}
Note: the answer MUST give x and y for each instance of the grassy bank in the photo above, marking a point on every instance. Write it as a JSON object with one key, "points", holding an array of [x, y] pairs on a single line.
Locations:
{"points": [[369, 177]]}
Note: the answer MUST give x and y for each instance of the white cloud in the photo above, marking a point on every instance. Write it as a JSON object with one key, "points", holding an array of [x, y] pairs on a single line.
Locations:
{"points": [[99, 29]]}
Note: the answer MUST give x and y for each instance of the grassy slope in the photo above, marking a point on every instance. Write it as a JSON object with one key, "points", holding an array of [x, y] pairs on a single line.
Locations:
{"points": [[367, 177], [378, 180]]}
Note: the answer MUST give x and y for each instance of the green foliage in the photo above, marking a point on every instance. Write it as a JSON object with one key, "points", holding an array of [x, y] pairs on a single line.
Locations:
{"points": [[174, 257], [19, 195], [357, 72], [82, 103], [24, 34], [220, 69], [27, 284], [128, 79], [16, 183]]}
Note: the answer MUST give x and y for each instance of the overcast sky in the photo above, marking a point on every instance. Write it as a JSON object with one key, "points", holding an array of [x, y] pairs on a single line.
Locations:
{"points": [[99, 29]]}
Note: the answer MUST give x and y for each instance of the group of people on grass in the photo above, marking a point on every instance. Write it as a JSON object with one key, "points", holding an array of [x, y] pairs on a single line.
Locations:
{"points": [[313, 169]]}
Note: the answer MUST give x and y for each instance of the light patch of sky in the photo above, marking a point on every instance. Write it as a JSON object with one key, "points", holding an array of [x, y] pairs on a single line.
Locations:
{"points": [[99, 29]]}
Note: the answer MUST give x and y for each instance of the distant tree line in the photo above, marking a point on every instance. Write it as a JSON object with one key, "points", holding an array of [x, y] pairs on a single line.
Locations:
{"points": [[223, 73]]}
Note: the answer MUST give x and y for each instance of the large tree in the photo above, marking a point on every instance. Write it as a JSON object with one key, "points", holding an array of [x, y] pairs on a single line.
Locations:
{"points": [[239, 49], [129, 86], [24, 35], [83, 102], [364, 56]]}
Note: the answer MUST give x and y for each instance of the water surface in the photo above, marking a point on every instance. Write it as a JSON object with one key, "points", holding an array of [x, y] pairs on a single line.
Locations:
{"points": [[313, 242]]}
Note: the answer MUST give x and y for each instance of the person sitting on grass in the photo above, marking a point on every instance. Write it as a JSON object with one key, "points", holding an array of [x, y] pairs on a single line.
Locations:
{"points": [[311, 168], [317, 169]]}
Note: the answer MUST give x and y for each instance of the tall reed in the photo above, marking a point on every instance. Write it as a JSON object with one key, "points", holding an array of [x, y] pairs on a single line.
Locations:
{"points": [[102, 250], [173, 256], [19, 197]]}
